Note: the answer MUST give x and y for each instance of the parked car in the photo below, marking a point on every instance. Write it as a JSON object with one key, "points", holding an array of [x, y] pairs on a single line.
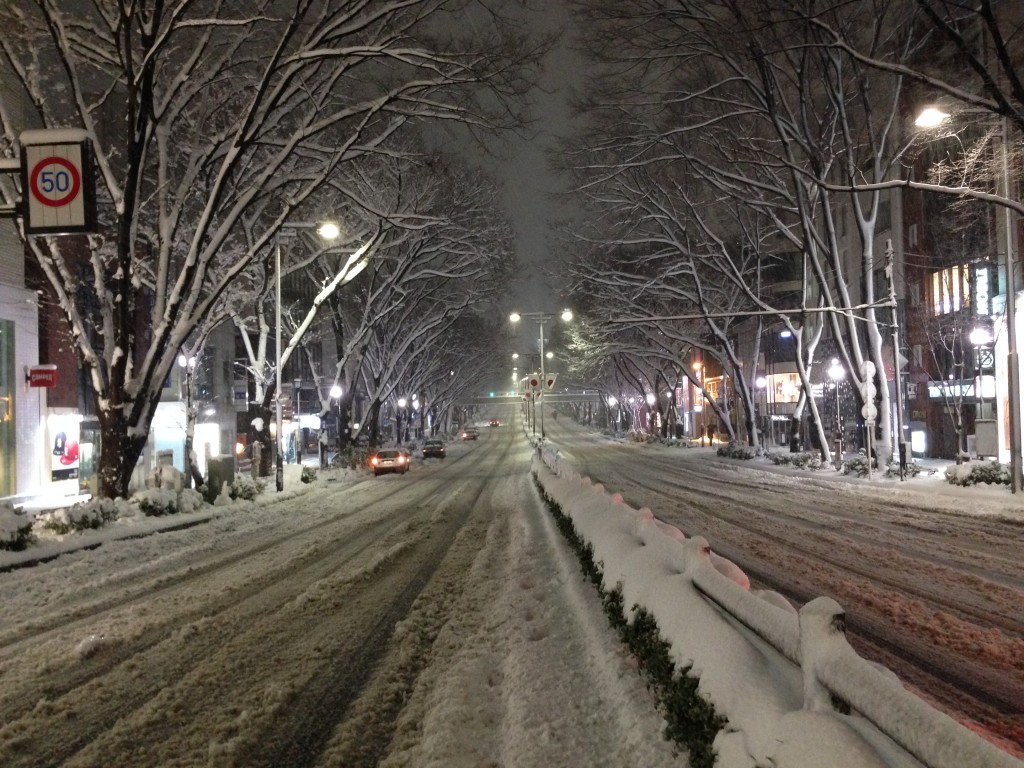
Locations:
{"points": [[494, 423], [433, 448], [389, 461], [470, 433]]}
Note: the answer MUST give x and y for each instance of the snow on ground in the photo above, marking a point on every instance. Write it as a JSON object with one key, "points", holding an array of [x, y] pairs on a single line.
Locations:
{"points": [[524, 670]]}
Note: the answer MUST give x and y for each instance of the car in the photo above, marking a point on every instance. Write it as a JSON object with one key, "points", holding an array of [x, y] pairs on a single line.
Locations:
{"points": [[493, 423], [433, 448], [470, 433], [389, 461]]}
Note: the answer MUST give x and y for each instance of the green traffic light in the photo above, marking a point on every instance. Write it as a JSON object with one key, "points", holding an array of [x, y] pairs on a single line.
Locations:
{"points": [[492, 394]]}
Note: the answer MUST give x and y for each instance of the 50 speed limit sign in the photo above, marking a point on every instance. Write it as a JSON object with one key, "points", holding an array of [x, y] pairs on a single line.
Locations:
{"points": [[55, 181], [56, 185]]}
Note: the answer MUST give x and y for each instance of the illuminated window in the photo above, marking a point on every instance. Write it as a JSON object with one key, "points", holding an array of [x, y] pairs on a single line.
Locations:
{"points": [[950, 290]]}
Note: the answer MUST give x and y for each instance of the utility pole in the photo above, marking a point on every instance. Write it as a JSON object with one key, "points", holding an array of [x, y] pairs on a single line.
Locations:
{"points": [[1012, 361], [897, 382]]}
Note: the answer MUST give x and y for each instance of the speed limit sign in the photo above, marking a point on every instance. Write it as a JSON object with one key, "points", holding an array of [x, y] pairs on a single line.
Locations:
{"points": [[57, 183]]}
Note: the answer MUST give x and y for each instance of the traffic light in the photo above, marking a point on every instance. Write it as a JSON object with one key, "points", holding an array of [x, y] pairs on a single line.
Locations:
{"points": [[491, 394]]}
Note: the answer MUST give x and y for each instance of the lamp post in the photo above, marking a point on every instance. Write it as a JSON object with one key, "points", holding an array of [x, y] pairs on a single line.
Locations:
{"points": [[980, 339], [761, 383], [932, 118], [837, 373], [335, 395], [297, 433], [328, 231], [189, 366], [698, 367], [541, 319], [399, 413]]}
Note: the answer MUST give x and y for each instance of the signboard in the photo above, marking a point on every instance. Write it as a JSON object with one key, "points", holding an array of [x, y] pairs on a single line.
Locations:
{"points": [[57, 182], [64, 450], [42, 376]]}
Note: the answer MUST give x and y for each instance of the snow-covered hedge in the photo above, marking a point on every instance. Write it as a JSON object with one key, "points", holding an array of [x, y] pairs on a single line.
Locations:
{"points": [[246, 488], [973, 473], [737, 451], [15, 529], [803, 460], [156, 502], [83, 517]]}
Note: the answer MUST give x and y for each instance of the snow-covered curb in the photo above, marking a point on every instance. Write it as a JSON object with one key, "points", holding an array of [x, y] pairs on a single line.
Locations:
{"points": [[777, 714]]}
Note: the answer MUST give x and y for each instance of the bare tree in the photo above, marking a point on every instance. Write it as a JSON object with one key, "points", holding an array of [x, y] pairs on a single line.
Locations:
{"points": [[205, 150], [750, 102]]}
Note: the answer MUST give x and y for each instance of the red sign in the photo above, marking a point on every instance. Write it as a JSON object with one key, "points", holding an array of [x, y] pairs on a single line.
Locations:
{"points": [[42, 376]]}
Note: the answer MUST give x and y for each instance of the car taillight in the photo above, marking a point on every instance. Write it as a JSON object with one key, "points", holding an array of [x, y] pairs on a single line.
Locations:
{"points": [[374, 461], [401, 459]]}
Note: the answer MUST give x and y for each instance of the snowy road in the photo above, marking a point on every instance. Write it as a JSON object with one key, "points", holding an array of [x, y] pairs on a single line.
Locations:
{"points": [[427, 619], [931, 575]]}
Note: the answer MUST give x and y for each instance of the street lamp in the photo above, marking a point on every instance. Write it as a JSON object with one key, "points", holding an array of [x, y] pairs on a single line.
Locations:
{"points": [[541, 319], [189, 366], [837, 372], [398, 415], [980, 338], [328, 231], [761, 383], [335, 395], [698, 368], [933, 117]]}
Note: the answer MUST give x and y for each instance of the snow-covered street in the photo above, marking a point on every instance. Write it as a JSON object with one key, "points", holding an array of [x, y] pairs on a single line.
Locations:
{"points": [[930, 574], [439, 619], [428, 619]]}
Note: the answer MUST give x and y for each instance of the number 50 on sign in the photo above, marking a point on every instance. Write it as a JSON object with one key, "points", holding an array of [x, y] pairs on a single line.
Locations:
{"points": [[57, 186]]}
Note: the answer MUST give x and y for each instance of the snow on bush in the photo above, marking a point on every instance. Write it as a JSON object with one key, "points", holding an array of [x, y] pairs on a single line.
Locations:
{"points": [[736, 451], [83, 517], [805, 460], [15, 529], [246, 488], [156, 502], [973, 473]]}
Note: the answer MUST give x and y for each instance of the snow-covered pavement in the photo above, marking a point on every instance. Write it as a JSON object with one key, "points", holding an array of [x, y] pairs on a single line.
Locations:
{"points": [[428, 619], [438, 619]]}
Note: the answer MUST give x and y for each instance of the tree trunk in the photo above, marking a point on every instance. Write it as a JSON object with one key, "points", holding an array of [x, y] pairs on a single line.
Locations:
{"points": [[262, 436], [119, 455]]}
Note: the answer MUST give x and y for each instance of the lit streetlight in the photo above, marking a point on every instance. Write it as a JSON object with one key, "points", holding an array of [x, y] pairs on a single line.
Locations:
{"points": [[541, 319], [399, 414], [761, 382], [328, 231], [837, 373], [980, 338]]}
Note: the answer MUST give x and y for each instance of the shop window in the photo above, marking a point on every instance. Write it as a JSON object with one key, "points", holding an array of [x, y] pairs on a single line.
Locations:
{"points": [[950, 291]]}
